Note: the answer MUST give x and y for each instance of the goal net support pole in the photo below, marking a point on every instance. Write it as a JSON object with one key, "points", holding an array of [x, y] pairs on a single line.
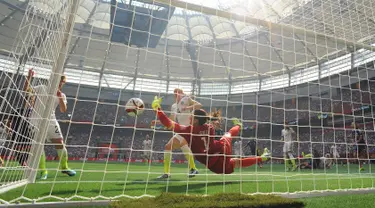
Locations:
{"points": [[57, 69], [271, 26]]}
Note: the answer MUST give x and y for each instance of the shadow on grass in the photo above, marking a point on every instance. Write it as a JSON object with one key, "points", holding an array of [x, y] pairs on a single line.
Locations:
{"points": [[162, 186]]}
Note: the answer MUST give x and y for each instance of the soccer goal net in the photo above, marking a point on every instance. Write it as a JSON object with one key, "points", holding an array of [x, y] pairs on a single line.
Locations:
{"points": [[296, 74]]}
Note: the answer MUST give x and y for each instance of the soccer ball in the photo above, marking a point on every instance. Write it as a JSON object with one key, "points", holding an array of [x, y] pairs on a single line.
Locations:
{"points": [[134, 107]]}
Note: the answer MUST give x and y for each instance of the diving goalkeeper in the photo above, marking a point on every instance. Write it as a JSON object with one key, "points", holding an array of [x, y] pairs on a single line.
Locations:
{"points": [[216, 155]]}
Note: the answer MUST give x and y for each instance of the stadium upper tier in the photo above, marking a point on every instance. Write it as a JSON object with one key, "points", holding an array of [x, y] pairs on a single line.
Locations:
{"points": [[228, 56]]}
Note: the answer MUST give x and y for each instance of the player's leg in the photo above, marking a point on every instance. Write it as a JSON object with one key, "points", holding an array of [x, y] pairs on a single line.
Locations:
{"points": [[358, 156], [288, 156], [249, 161], [146, 157], [292, 160], [56, 138], [239, 162], [172, 144], [188, 155], [363, 157], [42, 166], [260, 163], [236, 153]]}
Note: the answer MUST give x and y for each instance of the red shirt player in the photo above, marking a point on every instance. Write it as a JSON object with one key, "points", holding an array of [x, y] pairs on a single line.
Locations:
{"points": [[216, 155]]}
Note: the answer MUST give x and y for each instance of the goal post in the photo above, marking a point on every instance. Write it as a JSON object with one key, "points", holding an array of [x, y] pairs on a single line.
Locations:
{"points": [[68, 16], [59, 28]]}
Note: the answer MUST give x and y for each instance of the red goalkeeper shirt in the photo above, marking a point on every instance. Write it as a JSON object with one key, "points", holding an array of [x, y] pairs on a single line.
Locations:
{"points": [[200, 138]]}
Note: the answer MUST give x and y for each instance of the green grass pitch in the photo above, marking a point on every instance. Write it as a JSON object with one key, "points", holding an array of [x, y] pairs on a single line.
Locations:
{"points": [[134, 179]]}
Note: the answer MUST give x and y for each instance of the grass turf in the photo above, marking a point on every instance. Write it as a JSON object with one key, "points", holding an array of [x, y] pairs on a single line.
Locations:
{"points": [[101, 180], [218, 200]]}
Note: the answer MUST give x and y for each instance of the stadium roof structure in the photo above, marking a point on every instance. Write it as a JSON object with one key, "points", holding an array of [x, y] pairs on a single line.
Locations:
{"points": [[232, 56]]}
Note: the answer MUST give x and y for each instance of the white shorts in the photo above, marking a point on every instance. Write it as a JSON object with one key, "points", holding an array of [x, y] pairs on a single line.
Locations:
{"points": [[179, 137], [287, 147], [237, 152], [336, 155], [147, 153], [54, 131]]}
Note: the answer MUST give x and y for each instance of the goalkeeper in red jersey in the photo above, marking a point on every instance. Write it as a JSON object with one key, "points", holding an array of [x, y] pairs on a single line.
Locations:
{"points": [[216, 155]]}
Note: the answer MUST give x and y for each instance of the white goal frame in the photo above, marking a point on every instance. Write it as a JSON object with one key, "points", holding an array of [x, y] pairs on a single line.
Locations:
{"points": [[57, 69]]}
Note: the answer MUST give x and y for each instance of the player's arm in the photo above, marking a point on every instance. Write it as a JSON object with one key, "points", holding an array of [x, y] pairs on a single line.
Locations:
{"points": [[282, 136], [26, 86], [62, 101], [193, 105], [292, 130]]}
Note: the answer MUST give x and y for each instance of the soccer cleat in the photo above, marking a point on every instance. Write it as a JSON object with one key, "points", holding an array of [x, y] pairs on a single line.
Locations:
{"points": [[294, 168], [69, 172], [43, 175], [266, 155], [193, 173], [164, 176]]}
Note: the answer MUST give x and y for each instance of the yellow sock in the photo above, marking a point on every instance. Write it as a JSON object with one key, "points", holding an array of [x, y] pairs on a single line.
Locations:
{"points": [[42, 162], [63, 156], [189, 156], [293, 162], [286, 163], [167, 161]]}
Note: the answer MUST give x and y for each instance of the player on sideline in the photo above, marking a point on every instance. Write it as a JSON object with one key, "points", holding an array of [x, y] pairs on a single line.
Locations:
{"points": [[358, 137], [147, 149], [54, 134], [287, 136], [216, 155], [237, 146], [182, 105]]}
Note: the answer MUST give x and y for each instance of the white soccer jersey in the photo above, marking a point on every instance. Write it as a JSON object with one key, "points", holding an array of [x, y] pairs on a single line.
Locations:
{"points": [[41, 93], [147, 144], [182, 116], [237, 146], [325, 162], [287, 135]]}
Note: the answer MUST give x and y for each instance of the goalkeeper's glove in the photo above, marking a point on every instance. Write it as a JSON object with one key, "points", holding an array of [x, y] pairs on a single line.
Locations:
{"points": [[237, 122], [156, 104]]}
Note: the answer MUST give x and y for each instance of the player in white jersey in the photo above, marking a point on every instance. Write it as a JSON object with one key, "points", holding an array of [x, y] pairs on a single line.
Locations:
{"points": [[326, 161], [181, 113], [237, 147], [287, 136], [147, 149], [335, 154], [54, 134]]}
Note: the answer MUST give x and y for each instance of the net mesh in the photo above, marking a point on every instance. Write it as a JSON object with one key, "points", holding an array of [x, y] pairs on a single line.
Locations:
{"points": [[304, 63]]}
